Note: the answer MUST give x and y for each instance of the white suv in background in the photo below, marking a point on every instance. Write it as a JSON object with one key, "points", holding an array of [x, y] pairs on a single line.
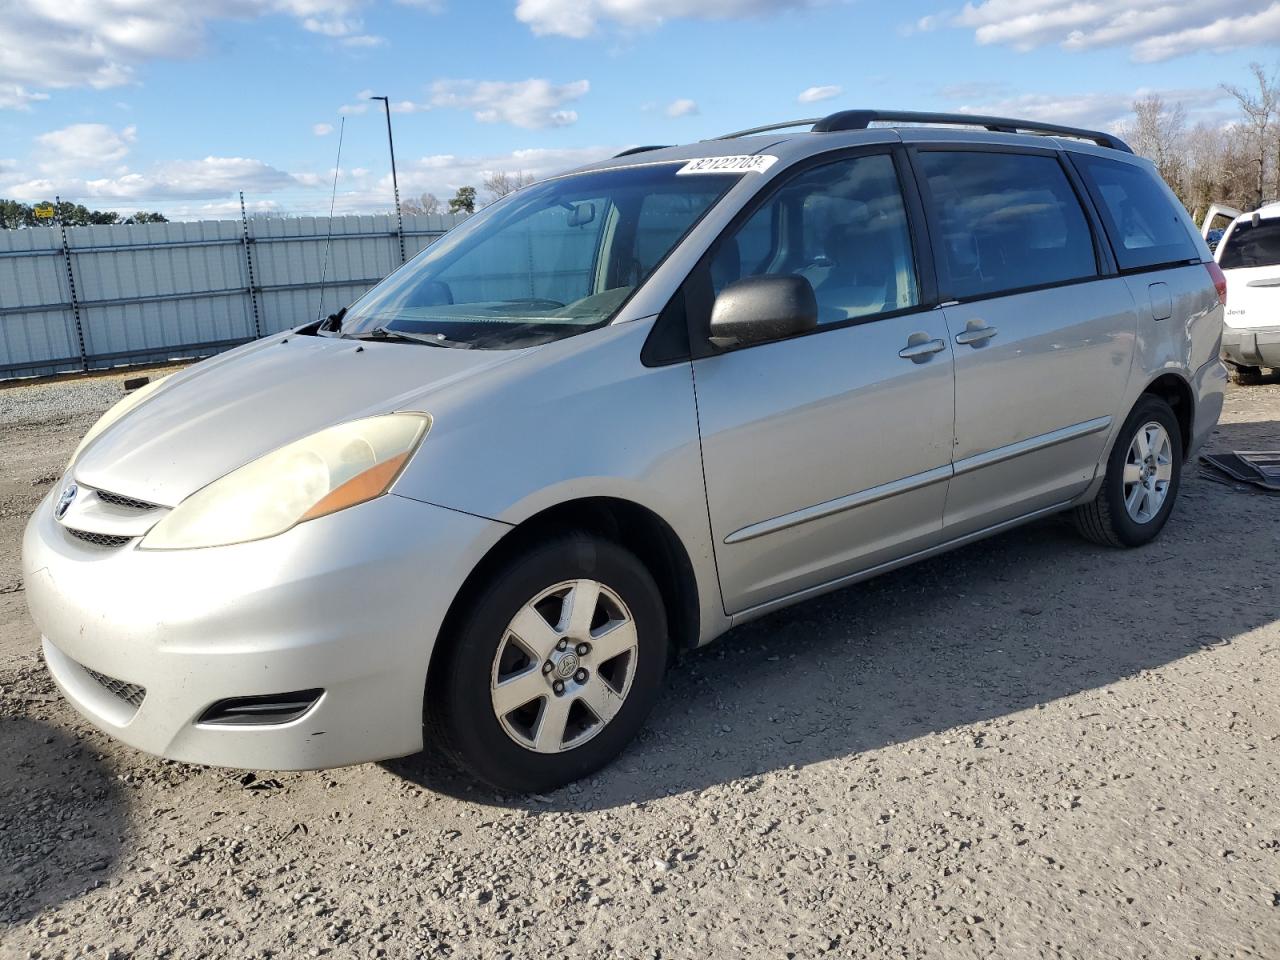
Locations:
{"points": [[1249, 255]]}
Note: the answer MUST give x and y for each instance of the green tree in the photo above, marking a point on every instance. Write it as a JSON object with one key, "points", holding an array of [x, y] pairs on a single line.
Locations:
{"points": [[464, 201], [15, 215], [143, 216]]}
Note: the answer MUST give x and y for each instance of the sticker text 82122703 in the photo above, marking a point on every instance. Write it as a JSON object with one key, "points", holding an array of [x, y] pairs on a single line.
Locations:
{"points": [[756, 163]]}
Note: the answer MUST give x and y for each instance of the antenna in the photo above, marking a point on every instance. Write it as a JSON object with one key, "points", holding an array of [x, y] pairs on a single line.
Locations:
{"points": [[328, 237]]}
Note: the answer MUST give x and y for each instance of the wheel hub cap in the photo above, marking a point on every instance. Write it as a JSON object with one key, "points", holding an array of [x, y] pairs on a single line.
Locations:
{"points": [[564, 666], [1147, 473]]}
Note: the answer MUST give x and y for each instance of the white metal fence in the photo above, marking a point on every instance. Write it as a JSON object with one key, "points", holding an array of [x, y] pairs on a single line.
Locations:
{"points": [[88, 298]]}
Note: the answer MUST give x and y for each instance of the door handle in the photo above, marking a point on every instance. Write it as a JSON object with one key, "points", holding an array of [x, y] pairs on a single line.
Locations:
{"points": [[919, 350], [976, 334]]}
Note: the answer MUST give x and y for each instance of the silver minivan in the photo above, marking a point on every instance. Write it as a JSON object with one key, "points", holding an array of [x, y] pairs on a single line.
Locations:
{"points": [[614, 415]]}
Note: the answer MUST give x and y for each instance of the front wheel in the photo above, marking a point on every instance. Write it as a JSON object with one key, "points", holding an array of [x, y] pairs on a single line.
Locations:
{"points": [[1144, 472], [554, 667]]}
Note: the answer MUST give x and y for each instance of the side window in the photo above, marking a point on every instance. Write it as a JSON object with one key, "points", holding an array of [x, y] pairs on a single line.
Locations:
{"points": [[1145, 227], [1007, 221], [843, 227]]}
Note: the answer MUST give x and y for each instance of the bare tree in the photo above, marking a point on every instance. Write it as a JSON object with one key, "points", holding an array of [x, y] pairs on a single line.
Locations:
{"points": [[1159, 133], [427, 203], [1261, 109], [500, 182]]}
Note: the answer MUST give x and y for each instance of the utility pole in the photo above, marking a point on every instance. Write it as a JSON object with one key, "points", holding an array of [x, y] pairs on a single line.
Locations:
{"points": [[386, 106]]}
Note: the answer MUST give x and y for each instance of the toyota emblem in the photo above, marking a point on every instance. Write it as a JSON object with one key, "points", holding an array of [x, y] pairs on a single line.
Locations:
{"points": [[64, 500]]}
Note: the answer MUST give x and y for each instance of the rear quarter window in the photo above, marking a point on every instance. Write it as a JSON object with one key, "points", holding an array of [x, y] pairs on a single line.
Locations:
{"points": [[1143, 222]]}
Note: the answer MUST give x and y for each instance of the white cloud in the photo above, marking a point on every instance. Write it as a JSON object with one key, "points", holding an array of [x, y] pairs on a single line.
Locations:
{"points": [[1152, 29], [210, 178], [814, 94], [81, 146], [14, 96], [530, 104], [361, 191], [100, 43], [684, 107], [322, 129], [1219, 36], [363, 40], [361, 104], [580, 18], [1099, 111]]}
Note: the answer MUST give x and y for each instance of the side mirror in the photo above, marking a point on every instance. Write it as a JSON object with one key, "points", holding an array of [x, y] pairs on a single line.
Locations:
{"points": [[759, 309]]}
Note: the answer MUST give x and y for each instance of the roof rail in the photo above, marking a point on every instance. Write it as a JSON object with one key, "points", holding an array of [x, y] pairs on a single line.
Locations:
{"points": [[861, 119], [630, 150], [767, 127]]}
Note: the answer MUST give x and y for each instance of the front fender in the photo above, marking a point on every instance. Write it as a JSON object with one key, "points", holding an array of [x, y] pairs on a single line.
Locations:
{"points": [[583, 418]]}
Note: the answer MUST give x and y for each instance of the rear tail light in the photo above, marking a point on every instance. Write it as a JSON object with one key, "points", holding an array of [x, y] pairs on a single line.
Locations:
{"points": [[1219, 280]]}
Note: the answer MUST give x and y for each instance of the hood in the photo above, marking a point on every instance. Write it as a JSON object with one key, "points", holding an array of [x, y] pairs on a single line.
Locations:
{"points": [[223, 413]]}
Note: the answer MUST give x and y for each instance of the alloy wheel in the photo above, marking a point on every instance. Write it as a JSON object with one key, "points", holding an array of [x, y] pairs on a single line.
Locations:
{"points": [[564, 666], [1148, 469]]}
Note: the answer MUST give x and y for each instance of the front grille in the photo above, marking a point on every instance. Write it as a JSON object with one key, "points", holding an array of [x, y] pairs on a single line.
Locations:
{"points": [[130, 693], [120, 500], [98, 539]]}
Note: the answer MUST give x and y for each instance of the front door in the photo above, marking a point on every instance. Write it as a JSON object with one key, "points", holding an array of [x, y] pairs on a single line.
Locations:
{"points": [[827, 453]]}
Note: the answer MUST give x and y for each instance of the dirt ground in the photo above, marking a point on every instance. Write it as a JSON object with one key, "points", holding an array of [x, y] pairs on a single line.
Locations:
{"points": [[1031, 747]]}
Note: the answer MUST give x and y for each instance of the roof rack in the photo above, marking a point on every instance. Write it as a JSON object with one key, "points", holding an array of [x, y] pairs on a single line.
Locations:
{"points": [[862, 119]]}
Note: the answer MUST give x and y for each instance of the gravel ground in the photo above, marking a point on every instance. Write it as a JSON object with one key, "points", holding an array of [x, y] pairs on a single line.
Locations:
{"points": [[1030, 747]]}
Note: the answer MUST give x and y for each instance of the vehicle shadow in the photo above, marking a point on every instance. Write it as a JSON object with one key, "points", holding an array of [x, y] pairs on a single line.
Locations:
{"points": [[62, 819], [997, 627]]}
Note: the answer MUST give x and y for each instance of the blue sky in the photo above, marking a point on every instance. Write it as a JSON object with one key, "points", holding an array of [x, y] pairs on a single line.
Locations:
{"points": [[176, 105]]}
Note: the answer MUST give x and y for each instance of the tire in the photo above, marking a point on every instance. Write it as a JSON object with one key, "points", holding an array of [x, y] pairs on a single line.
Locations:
{"points": [[1247, 376], [1109, 519], [513, 750]]}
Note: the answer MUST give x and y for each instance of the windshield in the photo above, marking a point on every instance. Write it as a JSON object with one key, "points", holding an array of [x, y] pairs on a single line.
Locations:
{"points": [[552, 260], [1250, 246]]}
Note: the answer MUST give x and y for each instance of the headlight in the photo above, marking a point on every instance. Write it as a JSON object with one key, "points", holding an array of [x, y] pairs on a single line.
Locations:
{"points": [[320, 474], [122, 406]]}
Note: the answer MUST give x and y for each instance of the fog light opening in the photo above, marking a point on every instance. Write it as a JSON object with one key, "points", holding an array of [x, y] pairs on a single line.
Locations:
{"points": [[271, 708]]}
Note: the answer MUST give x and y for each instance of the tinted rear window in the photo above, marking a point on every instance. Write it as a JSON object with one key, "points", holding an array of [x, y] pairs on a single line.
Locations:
{"points": [[1008, 221], [1145, 226], [1250, 246]]}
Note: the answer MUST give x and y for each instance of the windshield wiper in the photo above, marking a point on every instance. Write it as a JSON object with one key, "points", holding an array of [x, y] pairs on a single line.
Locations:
{"points": [[430, 339]]}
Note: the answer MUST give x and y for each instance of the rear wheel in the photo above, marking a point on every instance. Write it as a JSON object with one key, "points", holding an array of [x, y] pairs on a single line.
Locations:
{"points": [[1144, 472], [554, 667]]}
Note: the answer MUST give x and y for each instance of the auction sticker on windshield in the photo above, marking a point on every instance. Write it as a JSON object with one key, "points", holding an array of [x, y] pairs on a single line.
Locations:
{"points": [[757, 163]]}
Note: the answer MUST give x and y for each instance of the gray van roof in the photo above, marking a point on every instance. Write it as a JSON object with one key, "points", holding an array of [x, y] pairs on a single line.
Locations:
{"points": [[853, 128]]}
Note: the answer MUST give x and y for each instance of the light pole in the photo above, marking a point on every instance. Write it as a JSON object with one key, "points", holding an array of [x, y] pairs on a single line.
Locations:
{"points": [[395, 186]]}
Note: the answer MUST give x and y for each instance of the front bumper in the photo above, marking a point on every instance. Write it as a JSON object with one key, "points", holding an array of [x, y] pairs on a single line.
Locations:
{"points": [[349, 603], [1252, 347]]}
